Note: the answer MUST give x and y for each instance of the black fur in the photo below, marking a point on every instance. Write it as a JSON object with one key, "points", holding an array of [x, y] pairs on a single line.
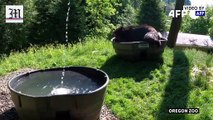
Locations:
{"points": [[137, 33]]}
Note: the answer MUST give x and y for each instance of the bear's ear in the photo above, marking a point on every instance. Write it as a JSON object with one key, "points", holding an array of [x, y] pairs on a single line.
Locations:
{"points": [[120, 29]]}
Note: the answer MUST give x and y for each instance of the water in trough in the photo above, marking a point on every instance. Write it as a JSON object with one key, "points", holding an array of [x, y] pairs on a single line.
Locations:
{"points": [[49, 83]]}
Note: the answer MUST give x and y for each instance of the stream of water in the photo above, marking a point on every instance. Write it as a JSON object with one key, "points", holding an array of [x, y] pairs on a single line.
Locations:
{"points": [[77, 88], [66, 40]]}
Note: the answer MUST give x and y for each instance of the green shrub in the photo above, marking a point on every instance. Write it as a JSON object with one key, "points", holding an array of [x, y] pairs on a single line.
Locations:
{"points": [[210, 14], [151, 13], [99, 13], [127, 12], [202, 25], [50, 21], [197, 26]]}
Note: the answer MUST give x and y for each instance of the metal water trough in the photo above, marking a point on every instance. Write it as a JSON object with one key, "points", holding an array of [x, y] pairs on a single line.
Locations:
{"points": [[138, 50], [85, 106]]}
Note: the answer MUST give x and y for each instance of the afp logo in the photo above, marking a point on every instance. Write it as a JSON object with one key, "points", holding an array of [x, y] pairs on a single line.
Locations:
{"points": [[14, 13]]}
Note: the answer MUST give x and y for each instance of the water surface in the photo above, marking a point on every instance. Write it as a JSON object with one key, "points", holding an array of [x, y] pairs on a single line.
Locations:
{"points": [[50, 83]]}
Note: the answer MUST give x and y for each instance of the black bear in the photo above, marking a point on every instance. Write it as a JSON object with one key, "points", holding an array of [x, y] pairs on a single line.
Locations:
{"points": [[138, 33]]}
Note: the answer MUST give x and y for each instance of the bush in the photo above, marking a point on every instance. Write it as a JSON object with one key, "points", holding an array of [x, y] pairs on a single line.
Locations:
{"points": [[50, 21], [127, 12], [98, 15], [201, 25], [210, 14], [152, 13], [197, 26]]}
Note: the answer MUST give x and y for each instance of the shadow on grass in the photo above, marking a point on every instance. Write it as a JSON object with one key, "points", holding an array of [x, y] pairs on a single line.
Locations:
{"points": [[177, 89], [116, 67]]}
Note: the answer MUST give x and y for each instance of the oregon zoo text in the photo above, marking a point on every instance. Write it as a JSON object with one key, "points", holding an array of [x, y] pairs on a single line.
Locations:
{"points": [[183, 110]]}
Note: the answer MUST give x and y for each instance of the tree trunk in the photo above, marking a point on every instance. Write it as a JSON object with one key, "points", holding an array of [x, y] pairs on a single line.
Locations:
{"points": [[175, 25]]}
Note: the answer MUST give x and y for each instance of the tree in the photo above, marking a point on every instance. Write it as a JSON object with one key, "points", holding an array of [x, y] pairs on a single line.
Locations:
{"points": [[126, 12], [175, 26], [152, 13], [98, 16]]}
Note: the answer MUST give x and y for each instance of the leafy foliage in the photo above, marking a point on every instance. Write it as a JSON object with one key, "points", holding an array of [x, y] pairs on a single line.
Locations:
{"points": [[201, 25], [127, 12], [151, 13], [210, 14], [99, 13], [198, 26], [41, 28]]}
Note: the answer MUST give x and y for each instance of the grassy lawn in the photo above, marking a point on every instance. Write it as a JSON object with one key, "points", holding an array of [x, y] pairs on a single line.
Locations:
{"points": [[137, 91]]}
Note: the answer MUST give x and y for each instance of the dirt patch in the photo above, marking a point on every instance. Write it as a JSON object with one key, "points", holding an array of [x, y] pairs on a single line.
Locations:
{"points": [[7, 110]]}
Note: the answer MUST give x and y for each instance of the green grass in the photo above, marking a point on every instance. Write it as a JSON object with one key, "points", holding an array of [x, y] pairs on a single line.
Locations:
{"points": [[137, 91]]}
